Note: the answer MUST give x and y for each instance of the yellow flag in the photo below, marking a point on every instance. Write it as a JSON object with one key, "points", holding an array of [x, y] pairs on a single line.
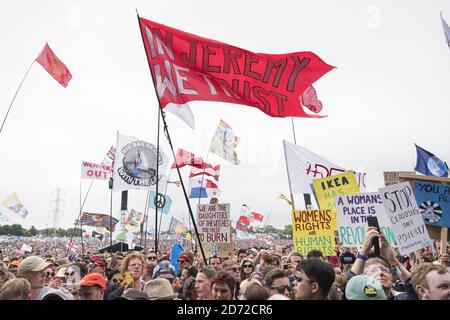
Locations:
{"points": [[283, 197]]}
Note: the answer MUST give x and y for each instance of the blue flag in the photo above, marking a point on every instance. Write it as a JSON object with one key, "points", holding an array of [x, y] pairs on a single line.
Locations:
{"points": [[175, 252], [430, 165], [164, 202], [446, 30]]}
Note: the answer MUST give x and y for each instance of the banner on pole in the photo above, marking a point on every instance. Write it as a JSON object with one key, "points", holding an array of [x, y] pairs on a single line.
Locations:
{"points": [[133, 220], [13, 203], [187, 68], [135, 165], [91, 170]]}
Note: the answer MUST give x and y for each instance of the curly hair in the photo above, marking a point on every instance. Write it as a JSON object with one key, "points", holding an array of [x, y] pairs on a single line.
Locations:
{"points": [[128, 258]]}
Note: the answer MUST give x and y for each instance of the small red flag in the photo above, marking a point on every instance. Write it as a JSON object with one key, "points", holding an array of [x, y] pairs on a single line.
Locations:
{"points": [[257, 216], [55, 67], [244, 220]]}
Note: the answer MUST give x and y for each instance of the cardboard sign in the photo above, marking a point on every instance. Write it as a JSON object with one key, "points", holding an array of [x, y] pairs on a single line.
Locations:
{"points": [[326, 188], [223, 250], [405, 218], [393, 177], [313, 230], [434, 202], [213, 222], [352, 211]]}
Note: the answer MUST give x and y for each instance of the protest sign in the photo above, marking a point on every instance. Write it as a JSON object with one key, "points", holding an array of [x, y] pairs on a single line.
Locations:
{"points": [[91, 170], [434, 202], [326, 188], [223, 250], [393, 177], [213, 221], [313, 230], [352, 211], [405, 219]]}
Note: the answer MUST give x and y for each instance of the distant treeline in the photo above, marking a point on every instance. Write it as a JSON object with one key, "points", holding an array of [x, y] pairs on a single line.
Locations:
{"points": [[18, 230]]}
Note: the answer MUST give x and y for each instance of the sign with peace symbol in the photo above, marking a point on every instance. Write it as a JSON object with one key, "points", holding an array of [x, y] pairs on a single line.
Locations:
{"points": [[159, 201]]}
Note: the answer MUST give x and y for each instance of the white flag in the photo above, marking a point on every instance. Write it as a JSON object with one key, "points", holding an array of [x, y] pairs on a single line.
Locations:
{"points": [[135, 165], [183, 112], [91, 170], [304, 165]]}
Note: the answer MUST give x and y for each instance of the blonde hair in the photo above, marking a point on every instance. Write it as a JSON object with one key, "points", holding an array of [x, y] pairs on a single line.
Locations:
{"points": [[419, 273], [15, 288]]}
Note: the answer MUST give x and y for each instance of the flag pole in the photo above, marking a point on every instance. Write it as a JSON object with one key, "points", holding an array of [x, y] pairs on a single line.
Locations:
{"points": [[160, 215], [110, 218], [143, 224], [166, 133], [79, 216], [306, 196], [157, 174], [14, 98]]}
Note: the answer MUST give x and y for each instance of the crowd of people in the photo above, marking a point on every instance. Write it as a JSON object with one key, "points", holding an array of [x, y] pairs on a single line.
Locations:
{"points": [[273, 272]]}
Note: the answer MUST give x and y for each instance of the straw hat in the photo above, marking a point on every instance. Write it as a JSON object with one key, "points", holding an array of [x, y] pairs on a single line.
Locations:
{"points": [[159, 289]]}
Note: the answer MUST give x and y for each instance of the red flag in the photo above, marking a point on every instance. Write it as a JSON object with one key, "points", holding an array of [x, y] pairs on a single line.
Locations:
{"points": [[184, 158], [241, 227], [257, 216], [244, 220], [54, 66], [309, 99], [187, 67]]}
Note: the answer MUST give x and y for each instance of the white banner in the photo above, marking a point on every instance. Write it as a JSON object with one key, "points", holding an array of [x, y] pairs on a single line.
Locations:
{"points": [[303, 166], [135, 165], [405, 219], [91, 170]]}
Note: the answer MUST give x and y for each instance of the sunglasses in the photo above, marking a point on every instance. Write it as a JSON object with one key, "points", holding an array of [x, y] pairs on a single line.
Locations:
{"points": [[234, 269], [115, 280], [298, 278], [247, 266], [151, 258], [69, 274], [281, 289], [49, 274]]}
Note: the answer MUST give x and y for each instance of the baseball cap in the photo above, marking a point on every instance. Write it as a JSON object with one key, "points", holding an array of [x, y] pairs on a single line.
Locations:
{"points": [[364, 287], [31, 263], [61, 273], [93, 279]]}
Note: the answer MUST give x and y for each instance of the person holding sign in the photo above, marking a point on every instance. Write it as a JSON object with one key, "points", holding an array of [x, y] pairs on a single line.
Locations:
{"points": [[381, 267]]}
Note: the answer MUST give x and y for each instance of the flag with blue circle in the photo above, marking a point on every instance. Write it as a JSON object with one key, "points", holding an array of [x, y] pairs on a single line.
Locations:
{"points": [[430, 165]]}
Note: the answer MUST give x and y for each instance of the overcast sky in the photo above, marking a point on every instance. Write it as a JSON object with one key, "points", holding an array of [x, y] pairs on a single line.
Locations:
{"points": [[389, 91]]}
